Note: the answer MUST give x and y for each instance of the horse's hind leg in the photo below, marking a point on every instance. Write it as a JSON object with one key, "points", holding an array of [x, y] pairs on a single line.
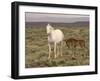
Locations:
{"points": [[58, 50], [61, 48]]}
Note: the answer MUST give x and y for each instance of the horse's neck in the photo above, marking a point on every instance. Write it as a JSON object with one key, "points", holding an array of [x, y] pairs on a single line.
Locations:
{"points": [[50, 37]]}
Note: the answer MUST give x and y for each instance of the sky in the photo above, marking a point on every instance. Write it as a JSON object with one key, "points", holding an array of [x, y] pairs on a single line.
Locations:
{"points": [[62, 18]]}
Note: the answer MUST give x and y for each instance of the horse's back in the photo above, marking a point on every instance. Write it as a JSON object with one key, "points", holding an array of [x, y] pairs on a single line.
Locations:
{"points": [[57, 35]]}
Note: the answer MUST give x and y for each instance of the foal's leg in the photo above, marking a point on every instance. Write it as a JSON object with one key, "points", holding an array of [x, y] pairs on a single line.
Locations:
{"points": [[49, 50], [55, 49]]}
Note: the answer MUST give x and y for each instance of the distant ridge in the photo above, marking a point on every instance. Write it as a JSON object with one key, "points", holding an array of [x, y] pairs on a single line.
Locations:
{"points": [[43, 24]]}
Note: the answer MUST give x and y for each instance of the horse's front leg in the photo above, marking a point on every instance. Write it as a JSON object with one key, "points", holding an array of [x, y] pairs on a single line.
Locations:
{"points": [[49, 51], [55, 49]]}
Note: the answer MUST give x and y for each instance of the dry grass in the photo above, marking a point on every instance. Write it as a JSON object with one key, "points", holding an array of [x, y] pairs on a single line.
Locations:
{"points": [[36, 48]]}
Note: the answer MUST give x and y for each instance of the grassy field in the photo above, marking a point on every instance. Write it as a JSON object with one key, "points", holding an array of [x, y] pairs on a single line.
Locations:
{"points": [[36, 48]]}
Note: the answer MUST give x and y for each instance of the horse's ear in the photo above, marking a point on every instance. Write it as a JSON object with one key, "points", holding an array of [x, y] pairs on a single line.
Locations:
{"points": [[49, 25]]}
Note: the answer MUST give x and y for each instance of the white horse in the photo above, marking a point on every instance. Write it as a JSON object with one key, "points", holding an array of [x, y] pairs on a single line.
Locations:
{"points": [[55, 36]]}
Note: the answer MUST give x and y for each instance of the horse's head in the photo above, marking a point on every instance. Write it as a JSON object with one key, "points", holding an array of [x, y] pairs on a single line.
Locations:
{"points": [[49, 29]]}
